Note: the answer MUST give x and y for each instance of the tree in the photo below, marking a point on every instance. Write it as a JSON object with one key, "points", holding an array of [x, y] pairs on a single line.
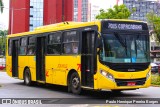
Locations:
{"points": [[154, 21], [3, 40], [1, 6], [117, 12]]}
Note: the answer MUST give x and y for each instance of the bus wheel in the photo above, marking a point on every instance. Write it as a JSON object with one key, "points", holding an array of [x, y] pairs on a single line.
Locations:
{"points": [[75, 84], [27, 77], [117, 91]]}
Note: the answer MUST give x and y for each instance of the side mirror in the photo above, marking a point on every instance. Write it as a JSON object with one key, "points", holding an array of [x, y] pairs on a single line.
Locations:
{"points": [[99, 42]]}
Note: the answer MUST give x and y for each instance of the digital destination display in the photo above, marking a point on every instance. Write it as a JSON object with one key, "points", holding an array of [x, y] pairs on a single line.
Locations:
{"points": [[124, 26]]}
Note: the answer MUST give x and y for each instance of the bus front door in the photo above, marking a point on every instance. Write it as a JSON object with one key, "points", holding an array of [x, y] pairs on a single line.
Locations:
{"points": [[15, 58], [40, 59], [88, 58]]}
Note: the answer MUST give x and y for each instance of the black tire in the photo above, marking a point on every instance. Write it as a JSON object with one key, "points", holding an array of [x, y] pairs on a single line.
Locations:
{"points": [[74, 83], [117, 91], [27, 77], [69, 86]]}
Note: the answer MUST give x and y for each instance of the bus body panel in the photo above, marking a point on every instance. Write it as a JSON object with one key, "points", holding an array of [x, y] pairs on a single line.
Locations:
{"points": [[32, 66], [22, 62], [51, 68], [96, 81], [9, 65], [57, 67], [51, 64], [68, 63], [109, 84]]}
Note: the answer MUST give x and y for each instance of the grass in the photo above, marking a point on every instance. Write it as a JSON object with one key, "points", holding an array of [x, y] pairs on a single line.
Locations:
{"points": [[155, 80], [2, 56]]}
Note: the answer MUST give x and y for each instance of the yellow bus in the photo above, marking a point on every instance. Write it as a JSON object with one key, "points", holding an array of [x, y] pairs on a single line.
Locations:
{"points": [[100, 55]]}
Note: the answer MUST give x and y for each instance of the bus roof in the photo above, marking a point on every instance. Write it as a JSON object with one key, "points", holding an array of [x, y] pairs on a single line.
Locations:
{"points": [[67, 25], [55, 27]]}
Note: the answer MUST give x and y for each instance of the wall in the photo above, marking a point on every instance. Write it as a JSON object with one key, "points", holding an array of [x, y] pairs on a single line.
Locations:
{"points": [[55, 9]]}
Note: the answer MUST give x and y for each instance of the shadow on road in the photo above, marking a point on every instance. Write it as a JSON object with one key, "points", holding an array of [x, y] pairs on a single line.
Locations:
{"points": [[86, 93]]}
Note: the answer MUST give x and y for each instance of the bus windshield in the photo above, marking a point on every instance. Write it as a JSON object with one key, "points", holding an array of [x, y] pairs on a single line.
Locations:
{"points": [[125, 48]]}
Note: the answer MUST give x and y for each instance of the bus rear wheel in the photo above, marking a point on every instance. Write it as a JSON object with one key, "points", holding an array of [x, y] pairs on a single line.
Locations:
{"points": [[75, 84], [27, 77]]}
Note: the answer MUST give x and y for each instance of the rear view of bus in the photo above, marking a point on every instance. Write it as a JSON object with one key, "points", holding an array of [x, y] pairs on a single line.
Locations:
{"points": [[124, 59]]}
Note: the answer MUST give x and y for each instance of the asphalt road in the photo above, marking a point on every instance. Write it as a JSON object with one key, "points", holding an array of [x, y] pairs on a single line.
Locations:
{"points": [[14, 88]]}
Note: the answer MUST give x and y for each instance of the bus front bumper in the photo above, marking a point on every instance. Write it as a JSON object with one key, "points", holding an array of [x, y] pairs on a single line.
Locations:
{"points": [[127, 84]]}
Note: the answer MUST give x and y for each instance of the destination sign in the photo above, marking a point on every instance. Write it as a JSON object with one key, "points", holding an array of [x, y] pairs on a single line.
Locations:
{"points": [[124, 26]]}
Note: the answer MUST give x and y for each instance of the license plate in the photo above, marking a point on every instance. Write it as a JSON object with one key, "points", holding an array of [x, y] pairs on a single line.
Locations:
{"points": [[131, 83]]}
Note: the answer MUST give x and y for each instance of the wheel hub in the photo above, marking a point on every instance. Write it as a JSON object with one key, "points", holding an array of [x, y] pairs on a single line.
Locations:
{"points": [[27, 78], [75, 82]]}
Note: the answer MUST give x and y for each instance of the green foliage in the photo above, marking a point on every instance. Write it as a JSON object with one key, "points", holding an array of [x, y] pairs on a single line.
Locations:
{"points": [[133, 10], [155, 80], [3, 32], [1, 6], [3, 40], [117, 12], [154, 20]]}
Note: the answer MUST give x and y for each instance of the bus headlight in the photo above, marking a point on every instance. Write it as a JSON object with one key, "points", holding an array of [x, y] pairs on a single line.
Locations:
{"points": [[107, 75], [148, 74]]}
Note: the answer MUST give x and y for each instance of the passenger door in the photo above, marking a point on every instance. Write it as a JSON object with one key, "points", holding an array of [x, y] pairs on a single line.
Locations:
{"points": [[88, 58], [15, 58], [40, 58]]}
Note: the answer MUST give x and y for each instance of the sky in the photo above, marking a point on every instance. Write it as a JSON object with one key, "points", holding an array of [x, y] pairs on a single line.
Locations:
{"points": [[103, 3], [4, 18]]}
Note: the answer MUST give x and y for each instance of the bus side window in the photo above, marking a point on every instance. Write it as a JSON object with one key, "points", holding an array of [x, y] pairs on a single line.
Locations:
{"points": [[23, 46], [70, 42], [54, 43], [10, 47], [67, 48], [31, 46], [74, 48]]}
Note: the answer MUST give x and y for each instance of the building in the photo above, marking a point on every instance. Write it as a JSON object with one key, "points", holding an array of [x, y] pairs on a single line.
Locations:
{"points": [[142, 8], [80, 10], [155, 48], [94, 8], [25, 15], [18, 16], [94, 11]]}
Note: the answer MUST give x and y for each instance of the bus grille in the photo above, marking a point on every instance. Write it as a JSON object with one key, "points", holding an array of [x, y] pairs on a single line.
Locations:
{"points": [[126, 68], [124, 82]]}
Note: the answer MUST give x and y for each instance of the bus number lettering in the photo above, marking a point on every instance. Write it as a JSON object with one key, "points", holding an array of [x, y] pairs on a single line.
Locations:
{"points": [[79, 67]]}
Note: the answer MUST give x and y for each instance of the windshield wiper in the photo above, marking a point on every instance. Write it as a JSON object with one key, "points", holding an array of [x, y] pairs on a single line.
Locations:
{"points": [[120, 40]]}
